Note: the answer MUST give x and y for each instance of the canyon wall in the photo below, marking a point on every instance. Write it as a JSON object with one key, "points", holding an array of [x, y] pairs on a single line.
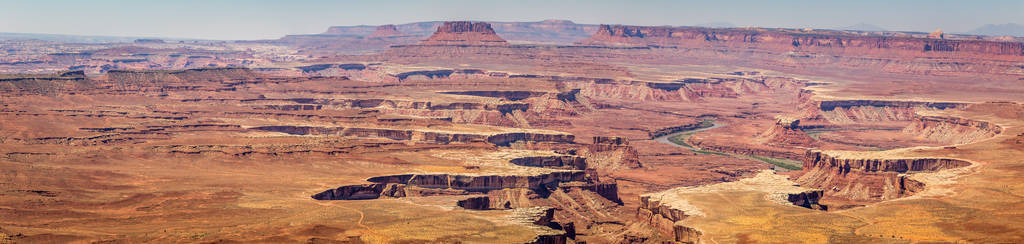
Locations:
{"points": [[868, 178], [464, 33], [951, 130], [787, 40], [871, 111], [500, 139]]}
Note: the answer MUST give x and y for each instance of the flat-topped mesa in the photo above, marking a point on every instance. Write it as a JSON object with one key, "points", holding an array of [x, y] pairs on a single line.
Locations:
{"points": [[464, 33], [385, 31], [45, 84], [868, 176], [785, 40], [953, 130], [872, 111]]}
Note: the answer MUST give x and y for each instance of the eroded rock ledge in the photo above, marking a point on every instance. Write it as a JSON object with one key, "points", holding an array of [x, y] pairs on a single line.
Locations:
{"points": [[500, 139], [952, 129], [666, 209], [868, 176], [552, 181]]}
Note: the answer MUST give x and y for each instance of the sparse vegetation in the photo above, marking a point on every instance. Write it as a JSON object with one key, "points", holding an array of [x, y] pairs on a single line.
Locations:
{"points": [[779, 162], [680, 139]]}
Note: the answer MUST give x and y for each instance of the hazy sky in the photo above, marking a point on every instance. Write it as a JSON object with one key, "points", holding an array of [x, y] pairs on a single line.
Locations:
{"points": [[259, 19]]}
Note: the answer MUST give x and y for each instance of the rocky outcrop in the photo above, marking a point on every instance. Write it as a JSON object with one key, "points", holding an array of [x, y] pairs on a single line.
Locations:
{"points": [[787, 132], [385, 31], [862, 178], [320, 67], [691, 89], [685, 234], [563, 162], [464, 33], [50, 85], [475, 203], [951, 130], [862, 111], [842, 165], [608, 188], [429, 74], [362, 192], [508, 95], [500, 139], [483, 183], [547, 31], [834, 104], [505, 139], [664, 217], [215, 79], [610, 153], [787, 40], [446, 184], [807, 199]]}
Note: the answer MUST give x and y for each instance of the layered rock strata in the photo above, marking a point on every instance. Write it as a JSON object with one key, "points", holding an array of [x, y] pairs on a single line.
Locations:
{"points": [[952, 130], [868, 176], [464, 33]]}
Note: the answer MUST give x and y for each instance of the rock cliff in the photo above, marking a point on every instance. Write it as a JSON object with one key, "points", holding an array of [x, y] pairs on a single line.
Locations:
{"points": [[951, 130], [385, 31], [786, 40], [869, 177], [464, 33]]}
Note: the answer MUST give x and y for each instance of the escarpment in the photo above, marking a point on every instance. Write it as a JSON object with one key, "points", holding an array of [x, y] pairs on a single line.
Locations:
{"points": [[667, 209], [681, 90], [459, 183], [868, 176], [785, 40], [564, 162], [464, 33], [199, 79], [869, 111], [385, 31], [787, 132], [952, 130], [664, 217], [50, 85], [500, 139], [610, 153], [564, 186]]}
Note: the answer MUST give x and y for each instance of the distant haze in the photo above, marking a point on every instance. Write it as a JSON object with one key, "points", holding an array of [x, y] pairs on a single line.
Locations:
{"points": [[262, 19]]}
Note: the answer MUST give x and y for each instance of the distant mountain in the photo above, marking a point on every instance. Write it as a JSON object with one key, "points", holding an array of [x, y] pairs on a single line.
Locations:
{"points": [[79, 38], [718, 24], [1008, 29], [547, 31], [862, 27]]}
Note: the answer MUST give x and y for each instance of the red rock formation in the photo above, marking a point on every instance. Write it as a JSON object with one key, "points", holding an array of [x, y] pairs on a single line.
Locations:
{"points": [[610, 153], [45, 84], [784, 40], [873, 111], [464, 33], [502, 139], [385, 31], [566, 162], [475, 203], [868, 179], [787, 132], [951, 129]]}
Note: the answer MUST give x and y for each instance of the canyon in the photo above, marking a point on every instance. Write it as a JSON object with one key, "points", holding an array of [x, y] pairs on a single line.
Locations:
{"points": [[516, 132]]}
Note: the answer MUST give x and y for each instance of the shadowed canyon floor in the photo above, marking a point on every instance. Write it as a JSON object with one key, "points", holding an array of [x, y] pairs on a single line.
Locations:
{"points": [[475, 135]]}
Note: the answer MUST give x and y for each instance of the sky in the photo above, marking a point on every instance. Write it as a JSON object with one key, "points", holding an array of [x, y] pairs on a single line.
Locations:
{"points": [[262, 19]]}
